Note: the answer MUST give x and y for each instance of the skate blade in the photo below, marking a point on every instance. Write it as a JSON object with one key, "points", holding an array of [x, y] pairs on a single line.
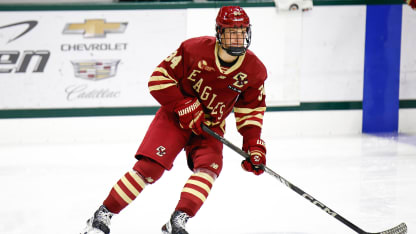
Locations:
{"points": [[91, 230], [165, 229]]}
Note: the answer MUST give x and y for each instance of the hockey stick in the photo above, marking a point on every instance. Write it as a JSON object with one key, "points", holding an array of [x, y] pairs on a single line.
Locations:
{"points": [[399, 229]]}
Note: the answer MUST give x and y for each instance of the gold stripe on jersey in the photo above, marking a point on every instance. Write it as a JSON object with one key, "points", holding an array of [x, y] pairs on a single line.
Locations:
{"points": [[165, 72], [121, 193], [160, 86], [240, 110], [209, 123], [258, 116], [165, 77], [232, 68], [249, 116], [249, 122], [222, 126], [159, 78]]}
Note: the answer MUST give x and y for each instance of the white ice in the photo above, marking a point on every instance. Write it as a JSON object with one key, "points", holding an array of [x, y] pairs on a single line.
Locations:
{"points": [[54, 173]]}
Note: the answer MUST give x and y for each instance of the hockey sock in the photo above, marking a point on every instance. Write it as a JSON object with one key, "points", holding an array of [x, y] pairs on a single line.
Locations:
{"points": [[195, 192], [124, 192]]}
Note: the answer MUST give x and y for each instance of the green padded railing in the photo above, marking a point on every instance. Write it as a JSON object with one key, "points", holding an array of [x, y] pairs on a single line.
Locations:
{"points": [[173, 5]]}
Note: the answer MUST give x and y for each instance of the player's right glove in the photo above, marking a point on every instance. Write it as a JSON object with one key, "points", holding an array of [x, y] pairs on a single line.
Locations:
{"points": [[256, 148], [190, 114], [411, 3]]}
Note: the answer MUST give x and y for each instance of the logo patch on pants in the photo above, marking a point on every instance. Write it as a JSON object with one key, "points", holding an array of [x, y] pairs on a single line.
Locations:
{"points": [[161, 151], [214, 166]]}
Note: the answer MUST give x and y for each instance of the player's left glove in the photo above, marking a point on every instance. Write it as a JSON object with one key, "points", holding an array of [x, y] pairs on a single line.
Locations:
{"points": [[256, 148], [411, 3]]}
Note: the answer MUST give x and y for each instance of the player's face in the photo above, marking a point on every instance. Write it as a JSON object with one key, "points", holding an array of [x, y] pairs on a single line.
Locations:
{"points": [[234, 37]]}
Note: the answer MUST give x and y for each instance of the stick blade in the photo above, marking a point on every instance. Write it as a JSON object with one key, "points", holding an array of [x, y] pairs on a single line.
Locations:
{"points": [[399, 229]]}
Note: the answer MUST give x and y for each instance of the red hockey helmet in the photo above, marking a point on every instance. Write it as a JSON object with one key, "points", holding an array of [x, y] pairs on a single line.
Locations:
{"points": [[233, 17]]}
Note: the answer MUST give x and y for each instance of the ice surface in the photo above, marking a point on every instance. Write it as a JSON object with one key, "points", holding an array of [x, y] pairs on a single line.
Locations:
{"points": [[54, 182]]}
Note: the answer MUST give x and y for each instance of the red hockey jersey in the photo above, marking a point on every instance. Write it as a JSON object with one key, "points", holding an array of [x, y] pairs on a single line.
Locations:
{"points": [[194, 70]]}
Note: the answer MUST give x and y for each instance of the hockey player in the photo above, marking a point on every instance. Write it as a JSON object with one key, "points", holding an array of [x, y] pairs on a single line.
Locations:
{"points": [[201, 82], [411, 3]]}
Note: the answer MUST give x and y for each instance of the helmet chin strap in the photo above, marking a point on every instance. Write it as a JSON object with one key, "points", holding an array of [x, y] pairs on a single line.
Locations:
{"points": [[235, 51], [228, 53]]}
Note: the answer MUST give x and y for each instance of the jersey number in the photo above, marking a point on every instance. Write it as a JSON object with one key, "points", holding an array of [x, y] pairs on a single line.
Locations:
{"points": [[173, 59], [262, 93]]}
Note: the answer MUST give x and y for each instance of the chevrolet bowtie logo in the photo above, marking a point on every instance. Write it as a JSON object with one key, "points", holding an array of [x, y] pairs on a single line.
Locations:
{"points": [[94, 28]]}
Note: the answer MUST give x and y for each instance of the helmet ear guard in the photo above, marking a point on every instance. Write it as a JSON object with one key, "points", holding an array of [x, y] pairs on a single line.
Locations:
{"points": [[233, 17]]}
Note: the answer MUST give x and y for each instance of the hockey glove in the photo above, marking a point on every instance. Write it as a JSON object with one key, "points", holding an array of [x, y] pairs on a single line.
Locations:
{"points": [[256, 148], [412, 3], [190, 114]]}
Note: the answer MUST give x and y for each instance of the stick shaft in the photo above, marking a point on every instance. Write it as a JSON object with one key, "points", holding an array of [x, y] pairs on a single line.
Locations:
{"points": [[294, 187]]}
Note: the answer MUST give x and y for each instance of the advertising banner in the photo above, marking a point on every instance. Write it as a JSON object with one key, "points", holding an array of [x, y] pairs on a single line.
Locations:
{"points": [[83, 59], [104, 58]]}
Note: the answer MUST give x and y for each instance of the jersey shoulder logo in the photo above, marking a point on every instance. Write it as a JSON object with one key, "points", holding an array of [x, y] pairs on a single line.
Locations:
{"points": [[203, 65]]}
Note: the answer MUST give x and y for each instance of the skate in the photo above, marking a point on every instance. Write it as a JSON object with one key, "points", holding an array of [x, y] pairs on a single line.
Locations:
{"points": [[99, 223], [176, 224]]}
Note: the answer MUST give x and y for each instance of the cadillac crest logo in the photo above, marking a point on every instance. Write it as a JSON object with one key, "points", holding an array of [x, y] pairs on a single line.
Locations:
{"points": [[95, 69]]}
